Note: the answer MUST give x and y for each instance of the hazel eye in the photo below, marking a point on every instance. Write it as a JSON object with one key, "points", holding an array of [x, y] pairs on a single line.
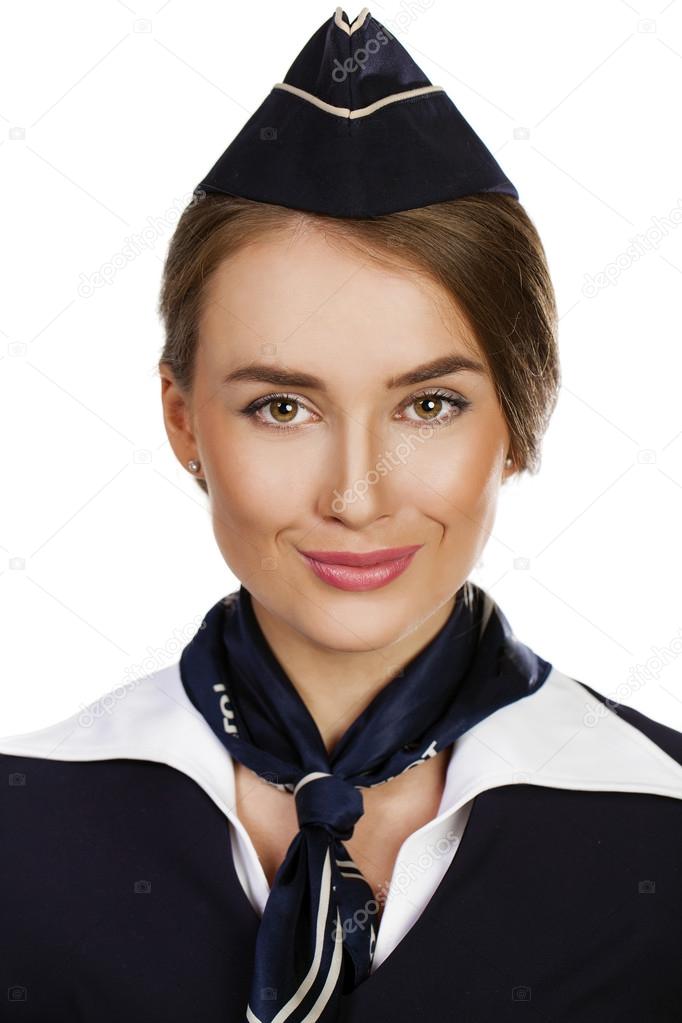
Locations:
{"points": [[430, 404], [283, 409]]}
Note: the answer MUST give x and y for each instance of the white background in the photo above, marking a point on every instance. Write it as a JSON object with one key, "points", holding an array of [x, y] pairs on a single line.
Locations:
{"points": [[111, 113]]}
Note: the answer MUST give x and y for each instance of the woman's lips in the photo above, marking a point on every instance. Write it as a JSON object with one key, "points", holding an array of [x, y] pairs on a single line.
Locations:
{"points": [[348, 571]]}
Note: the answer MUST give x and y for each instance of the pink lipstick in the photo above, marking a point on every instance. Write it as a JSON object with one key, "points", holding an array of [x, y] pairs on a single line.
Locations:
{"points": [[352, 571]]}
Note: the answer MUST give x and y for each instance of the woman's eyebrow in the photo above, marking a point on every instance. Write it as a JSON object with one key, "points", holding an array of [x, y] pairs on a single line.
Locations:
{"points": [[265, 373], [437, 368]]}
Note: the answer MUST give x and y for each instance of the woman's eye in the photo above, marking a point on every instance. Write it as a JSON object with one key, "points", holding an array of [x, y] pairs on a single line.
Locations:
{"points": [[281, 411], [277, 410], [430, 405]]}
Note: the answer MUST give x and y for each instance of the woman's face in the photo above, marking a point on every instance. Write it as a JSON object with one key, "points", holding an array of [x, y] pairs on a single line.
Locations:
{"points": [[328, 414]]}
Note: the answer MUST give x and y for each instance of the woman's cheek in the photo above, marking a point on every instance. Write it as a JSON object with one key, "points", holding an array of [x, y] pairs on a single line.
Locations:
{"points": [[456, 472], [257, 489]]}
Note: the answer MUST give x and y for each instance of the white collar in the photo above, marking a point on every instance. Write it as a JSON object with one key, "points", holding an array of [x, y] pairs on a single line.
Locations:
{"points": [[552, 738], [540, 739]]}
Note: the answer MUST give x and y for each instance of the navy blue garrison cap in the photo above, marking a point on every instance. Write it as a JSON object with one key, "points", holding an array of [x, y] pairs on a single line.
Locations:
{"points": [[356, 129]]}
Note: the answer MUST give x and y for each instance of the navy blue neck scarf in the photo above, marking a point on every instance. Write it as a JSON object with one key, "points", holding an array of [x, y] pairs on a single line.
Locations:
{"points": [[310, 948]]}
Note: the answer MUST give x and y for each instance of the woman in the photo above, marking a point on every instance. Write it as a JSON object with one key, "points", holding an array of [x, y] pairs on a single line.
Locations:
{"points": [[357, 795]]}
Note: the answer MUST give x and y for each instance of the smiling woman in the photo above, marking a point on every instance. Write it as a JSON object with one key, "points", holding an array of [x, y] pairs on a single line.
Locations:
{"points": [[347, 319], [357, 796]]}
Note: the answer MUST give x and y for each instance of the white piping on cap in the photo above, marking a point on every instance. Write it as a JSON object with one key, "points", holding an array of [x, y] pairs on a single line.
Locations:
{"points": [[361, 111], [358, 23]]}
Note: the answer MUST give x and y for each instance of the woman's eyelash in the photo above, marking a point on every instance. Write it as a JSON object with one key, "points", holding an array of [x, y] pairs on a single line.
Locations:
{"points": [[457, 403]]}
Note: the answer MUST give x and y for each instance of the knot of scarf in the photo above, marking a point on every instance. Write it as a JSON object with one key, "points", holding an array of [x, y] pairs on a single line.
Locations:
{"points": [[329, 801], [310, 948]]}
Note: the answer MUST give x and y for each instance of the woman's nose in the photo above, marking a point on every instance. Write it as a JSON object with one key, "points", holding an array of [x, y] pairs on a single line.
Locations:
{"points": [[355, 482]]}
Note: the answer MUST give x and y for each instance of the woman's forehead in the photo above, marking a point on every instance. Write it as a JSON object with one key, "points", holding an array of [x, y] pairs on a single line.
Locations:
{"points": [[307, 293]]}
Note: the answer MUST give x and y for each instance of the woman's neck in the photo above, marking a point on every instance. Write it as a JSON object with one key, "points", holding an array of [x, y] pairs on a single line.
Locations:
{"points": [[337, 685]]}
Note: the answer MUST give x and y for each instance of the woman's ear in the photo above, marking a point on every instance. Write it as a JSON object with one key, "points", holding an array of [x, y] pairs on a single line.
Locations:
{"points": [[177, 417]]}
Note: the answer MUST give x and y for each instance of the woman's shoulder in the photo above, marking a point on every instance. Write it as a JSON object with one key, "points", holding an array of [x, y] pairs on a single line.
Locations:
{"points": [[132, 770], [144, 724], [667, 738], [107, 835], [569, 734]]}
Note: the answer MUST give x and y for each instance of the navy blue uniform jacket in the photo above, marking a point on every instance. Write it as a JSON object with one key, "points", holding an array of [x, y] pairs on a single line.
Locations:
{"points": [[119, 900]]}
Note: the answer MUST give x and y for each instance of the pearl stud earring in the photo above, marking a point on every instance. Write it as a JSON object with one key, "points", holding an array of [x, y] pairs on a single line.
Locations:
{"points": [[193, 465]]}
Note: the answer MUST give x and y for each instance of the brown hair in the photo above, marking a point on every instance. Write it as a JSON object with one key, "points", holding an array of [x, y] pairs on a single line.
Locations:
{"points": [[483, 249]]}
